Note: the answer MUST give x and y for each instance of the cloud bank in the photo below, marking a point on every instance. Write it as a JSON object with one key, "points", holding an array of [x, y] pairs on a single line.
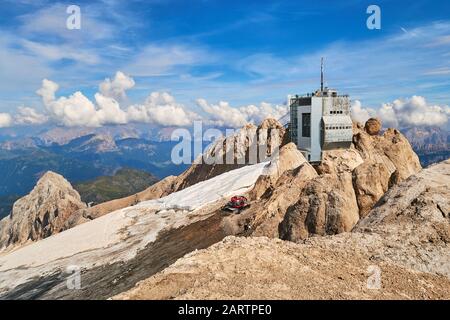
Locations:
{"points": [[159, 108], [223, 115], [402, 113], [162, 109]]}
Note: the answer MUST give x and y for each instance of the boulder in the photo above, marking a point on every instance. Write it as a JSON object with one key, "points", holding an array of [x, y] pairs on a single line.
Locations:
{"points": [[370, 181], [327, 205], [373, 126]]}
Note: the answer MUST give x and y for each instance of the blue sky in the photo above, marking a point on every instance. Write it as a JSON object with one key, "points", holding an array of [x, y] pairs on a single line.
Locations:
{"points": [[244, 52]]}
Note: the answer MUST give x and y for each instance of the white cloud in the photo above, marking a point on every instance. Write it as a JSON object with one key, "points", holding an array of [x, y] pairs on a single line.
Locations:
{"points": [[78, 110], [361, 114], [51, 21], [265, 110], [159, 108], [414, 111], [5, 120], [26, 115], [116, 87], [223, 115], [109, 110], [388, 115], [58, 52], [162, 109], [161, 59], [47, 91]]}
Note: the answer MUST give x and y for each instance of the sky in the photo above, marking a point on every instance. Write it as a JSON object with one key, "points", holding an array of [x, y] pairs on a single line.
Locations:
{"points": [[172, 62]]}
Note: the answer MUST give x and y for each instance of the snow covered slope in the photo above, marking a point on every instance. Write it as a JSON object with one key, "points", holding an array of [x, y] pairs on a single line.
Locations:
{"points": [[200, 194], [119, 236]]}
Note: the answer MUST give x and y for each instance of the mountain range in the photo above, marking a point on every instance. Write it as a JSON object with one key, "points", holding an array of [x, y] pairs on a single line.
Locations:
{"points": [[432, 144], [84, 154], [311, 231]]}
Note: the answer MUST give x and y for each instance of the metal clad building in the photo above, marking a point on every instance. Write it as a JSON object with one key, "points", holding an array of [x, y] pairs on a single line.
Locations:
{"points": [[320, 121]]}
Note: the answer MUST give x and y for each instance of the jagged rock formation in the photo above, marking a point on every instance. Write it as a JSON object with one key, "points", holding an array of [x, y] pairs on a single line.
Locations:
{"points": [[350, 182], [327, 205], [249, 145], [41, 213], [405, 240], [273, 193]]}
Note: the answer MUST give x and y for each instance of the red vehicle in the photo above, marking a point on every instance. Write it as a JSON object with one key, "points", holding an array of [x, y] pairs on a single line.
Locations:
{"points": [[237, 204]]}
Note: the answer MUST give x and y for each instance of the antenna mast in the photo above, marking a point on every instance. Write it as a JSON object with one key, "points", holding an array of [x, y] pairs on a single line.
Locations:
{"points": [[321, 74]]}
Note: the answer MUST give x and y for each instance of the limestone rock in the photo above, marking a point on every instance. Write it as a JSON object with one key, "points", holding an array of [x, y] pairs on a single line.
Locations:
{"points": [[398, 149], [287, 159], [327, 205], [269, 210], [41, 213], [370, 181], [262, 268], [373, 126]]}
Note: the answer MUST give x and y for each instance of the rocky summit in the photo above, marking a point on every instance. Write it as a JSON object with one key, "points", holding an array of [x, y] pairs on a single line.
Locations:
{"points": [[41, 213]]}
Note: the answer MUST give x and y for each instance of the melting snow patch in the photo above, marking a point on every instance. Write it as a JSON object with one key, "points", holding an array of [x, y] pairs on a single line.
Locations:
{"points": [[194, 197]]}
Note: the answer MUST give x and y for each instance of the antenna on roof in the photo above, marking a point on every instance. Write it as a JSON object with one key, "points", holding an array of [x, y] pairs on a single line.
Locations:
{"points": [[321, 74]]}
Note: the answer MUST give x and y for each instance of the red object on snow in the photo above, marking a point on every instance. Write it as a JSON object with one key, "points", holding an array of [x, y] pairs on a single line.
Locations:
{"points": [[237, 203]]}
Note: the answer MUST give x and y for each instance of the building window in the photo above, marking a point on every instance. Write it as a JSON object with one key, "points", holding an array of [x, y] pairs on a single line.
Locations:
{"points": [[306, 125]]}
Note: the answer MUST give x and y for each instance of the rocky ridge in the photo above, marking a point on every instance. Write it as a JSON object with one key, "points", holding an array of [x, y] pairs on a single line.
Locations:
{"points": [[41, 213], [400, 250]]}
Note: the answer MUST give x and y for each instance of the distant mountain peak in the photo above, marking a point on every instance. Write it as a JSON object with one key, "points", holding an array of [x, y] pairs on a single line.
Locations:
{"points": [[42, 212]]}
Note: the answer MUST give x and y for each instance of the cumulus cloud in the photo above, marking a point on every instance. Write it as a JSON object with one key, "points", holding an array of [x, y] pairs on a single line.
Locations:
{"points": [[414, 111], [29, 116], [161, 108], [5, 120], [265, 110], [109, 110], [78, 110], [361, 114], [116, 87], [417, 112], [223, 115]]}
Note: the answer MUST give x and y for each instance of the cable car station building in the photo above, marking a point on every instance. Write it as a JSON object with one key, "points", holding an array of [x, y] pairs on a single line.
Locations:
{"points": [[320, 121]]}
